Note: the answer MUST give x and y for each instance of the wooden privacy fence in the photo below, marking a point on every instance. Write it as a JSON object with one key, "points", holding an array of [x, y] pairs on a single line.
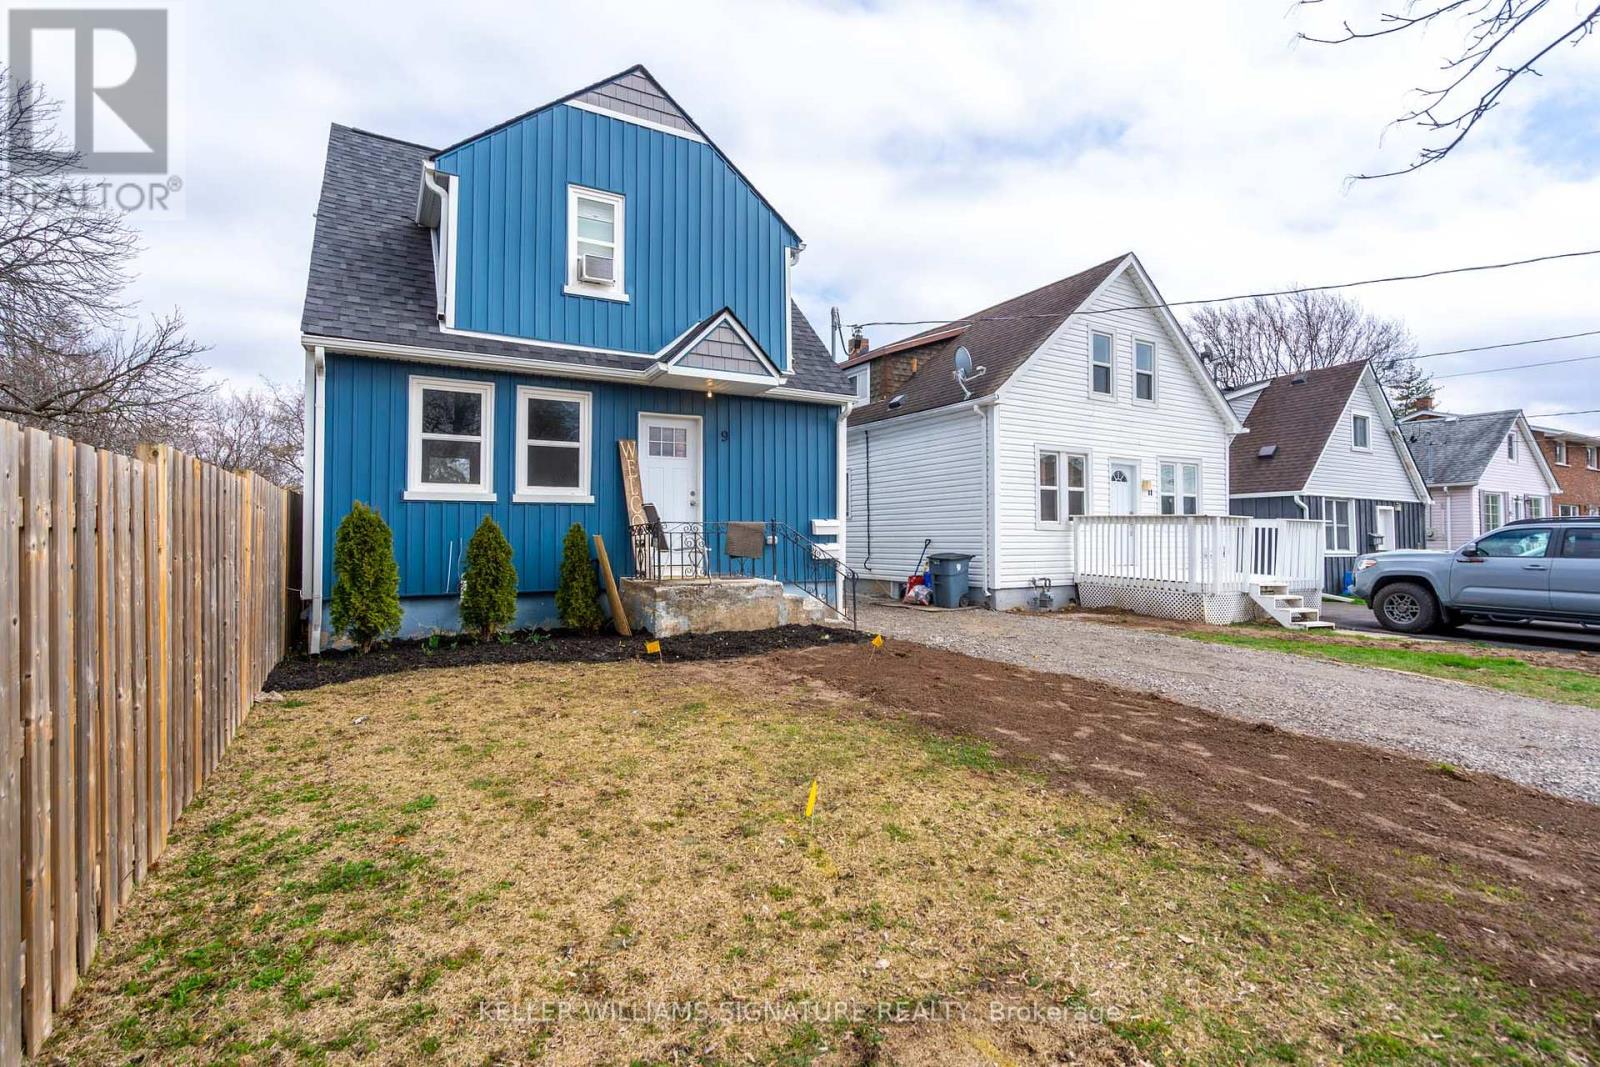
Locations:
{"points": [[142, 604]]}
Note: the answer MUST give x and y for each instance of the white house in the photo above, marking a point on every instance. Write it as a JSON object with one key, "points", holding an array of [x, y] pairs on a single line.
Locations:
{"points": [[1324, 444], [1085, 399], [1482, 471]]}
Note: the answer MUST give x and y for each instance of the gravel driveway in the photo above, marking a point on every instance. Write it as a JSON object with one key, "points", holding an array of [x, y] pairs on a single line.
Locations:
{"points": [[1554, 747]]}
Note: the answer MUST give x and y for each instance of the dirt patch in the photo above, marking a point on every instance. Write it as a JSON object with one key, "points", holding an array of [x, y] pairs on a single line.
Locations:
{"points": [[1494, 869], [540, 646]]}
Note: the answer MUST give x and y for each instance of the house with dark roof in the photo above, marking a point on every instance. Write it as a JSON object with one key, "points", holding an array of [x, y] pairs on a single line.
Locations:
{"points": [[1482, 471], [989, 435], [1324, 444], [485, 322]]}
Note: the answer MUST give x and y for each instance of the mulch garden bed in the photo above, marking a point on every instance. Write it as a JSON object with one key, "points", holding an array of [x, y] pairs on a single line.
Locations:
{"points": [[542, 646]]}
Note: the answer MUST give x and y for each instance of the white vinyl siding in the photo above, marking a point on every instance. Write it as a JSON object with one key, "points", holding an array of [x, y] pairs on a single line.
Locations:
{"points": [[1515, 480], [927, 480], [1345, 470], [1048, 406]]}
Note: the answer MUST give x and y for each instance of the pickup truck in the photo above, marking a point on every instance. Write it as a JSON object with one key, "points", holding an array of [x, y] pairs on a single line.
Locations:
{"points": [[1530, 570]]}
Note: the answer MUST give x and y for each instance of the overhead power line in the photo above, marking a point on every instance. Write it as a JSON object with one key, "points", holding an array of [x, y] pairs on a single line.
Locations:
{"points": [[1508, 344], [1247, 296], [1556, 414], [1514, 366]]}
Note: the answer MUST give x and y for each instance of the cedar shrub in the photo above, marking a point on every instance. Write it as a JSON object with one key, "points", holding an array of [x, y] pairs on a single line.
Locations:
{"points": [[489, 582], [366, 581], [578, 594]]}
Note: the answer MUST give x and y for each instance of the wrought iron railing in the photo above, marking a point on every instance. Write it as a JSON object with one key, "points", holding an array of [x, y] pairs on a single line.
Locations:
{"points": [[705, 551]]}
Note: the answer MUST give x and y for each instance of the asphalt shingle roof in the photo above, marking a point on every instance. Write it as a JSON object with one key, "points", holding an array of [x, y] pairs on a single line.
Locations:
{"points": [[371, 275], [1455, 451], [1296, 412], [1014, 329]]}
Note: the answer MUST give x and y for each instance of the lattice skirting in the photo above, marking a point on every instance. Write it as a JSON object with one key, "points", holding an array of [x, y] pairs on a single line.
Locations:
{"points": [[1168, 603]]}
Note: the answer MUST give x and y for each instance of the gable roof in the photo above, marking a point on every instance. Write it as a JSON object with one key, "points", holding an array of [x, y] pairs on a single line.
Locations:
{"points": [[371, 276], [634, 93], [1000, 338], [1296, 413], [1455, 450]]}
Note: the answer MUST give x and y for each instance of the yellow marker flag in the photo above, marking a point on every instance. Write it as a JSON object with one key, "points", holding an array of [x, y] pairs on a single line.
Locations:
{"points": [[653, 648], [811, 801], [877, 640]]}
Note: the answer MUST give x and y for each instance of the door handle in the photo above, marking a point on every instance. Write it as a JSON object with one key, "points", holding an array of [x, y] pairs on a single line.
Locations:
{"points": [[1535, 566]]}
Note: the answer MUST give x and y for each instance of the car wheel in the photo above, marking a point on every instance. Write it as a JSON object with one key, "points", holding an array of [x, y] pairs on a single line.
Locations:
{"points": [[1407, 608]]}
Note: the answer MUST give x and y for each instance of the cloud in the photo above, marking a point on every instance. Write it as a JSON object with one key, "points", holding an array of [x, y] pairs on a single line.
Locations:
{"points": [[936, 157]]}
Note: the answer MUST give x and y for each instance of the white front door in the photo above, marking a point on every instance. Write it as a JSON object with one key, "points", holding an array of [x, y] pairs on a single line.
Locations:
{"points": [[669, 466], [1385, 531], [1124, 488]]}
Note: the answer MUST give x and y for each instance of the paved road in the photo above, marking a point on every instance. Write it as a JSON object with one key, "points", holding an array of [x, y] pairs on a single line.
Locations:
{"points": [[1556, 636], [1554, 747]]}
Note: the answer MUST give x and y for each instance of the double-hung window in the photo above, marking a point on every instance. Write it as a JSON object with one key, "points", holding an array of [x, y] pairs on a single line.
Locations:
{"points": [[1593, 454], [595, 251], [1560, 449], [1063, 486], [1492, 511], [1102, 369], [861, 384], [1180, 489], [1144, 370], [553, 442], [1338, 527], [1361, 432], [450, 440], [1533, 507]]}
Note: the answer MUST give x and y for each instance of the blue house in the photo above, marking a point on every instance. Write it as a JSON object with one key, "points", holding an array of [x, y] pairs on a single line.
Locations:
{"points": [[485, 322]]}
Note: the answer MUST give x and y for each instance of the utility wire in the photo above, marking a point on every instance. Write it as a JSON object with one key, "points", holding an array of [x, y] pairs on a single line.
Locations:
{"points": [[1508, 344], [1516, 366], [1554, 414], [1243, 296]]}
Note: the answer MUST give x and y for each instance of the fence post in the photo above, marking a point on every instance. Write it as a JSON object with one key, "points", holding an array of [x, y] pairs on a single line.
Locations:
{"points": [[1219, 553], [1192, 532], [10, 748], [158, 592], [37, 997]]}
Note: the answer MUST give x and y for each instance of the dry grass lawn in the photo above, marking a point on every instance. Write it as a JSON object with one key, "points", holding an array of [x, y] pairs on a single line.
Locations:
{"points": [[610, 864]]}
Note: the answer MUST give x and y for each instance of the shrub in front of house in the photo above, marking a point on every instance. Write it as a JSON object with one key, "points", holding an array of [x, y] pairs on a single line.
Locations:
{"points": [[578, 593], [489, 583], [366, 581]]}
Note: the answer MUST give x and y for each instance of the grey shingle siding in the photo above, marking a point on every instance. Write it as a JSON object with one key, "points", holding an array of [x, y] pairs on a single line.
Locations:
{"points": [[636, 94], [371, 276], [723, 349]]}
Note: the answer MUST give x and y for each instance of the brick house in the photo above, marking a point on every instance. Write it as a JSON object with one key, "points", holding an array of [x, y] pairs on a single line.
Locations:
{"points": [[1575, 460]]}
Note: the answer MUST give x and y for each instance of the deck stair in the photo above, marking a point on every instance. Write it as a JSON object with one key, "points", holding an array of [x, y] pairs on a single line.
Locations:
{"points": [[1288, 609]]}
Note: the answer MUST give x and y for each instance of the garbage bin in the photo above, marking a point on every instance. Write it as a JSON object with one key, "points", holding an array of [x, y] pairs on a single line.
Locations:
{"points": [[950, 575]]}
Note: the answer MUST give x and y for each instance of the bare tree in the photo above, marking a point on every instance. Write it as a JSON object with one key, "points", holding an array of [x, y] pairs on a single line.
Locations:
{"points": [[1502, 40], [1268, 336], [61, 252], [257, 429]]}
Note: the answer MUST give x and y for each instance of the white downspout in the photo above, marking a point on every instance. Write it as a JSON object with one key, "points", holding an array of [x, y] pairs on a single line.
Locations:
{"points": [[316, 434]]}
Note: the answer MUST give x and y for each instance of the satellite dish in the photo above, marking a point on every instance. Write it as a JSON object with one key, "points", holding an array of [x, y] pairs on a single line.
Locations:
{"points": [[965, 371]]}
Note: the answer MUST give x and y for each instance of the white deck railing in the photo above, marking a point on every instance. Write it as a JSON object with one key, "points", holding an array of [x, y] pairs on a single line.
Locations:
{"points": [[1212, 554]]}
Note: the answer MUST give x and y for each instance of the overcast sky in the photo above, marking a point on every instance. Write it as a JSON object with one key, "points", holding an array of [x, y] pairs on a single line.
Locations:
{"points": [[939, 157]]}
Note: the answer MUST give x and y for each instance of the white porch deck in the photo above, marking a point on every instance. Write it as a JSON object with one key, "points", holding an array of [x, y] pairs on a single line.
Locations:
{"points": [[1215, 568]]}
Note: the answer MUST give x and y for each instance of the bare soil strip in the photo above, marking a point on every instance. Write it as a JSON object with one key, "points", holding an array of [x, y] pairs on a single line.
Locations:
{"points": [[1502, 872]]}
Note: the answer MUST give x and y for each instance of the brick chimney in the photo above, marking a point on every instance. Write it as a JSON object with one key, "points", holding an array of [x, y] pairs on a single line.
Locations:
{"points": [[1423, 403], [857, 345]]}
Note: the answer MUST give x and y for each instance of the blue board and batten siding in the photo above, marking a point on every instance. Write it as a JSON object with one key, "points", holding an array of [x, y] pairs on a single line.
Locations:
{"points": [[1410, 526], [764, 459], [698, 238]]}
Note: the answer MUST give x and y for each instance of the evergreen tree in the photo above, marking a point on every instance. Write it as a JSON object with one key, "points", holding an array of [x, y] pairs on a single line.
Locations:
{"points": [[578, 593], [366, 581], [489, 582]]}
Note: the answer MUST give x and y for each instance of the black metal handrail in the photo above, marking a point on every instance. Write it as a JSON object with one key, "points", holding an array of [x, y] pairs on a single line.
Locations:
{"points": [[705, 551]]}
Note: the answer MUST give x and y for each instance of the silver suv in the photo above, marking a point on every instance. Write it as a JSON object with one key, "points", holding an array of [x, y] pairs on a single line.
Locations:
{"points": [[1531, 570]]}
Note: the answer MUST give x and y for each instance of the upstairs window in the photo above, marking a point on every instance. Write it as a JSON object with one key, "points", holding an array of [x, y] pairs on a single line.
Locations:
{"points": [[1102, 377], [1180, 489], [1361, 432], [552, 445], [595, 228], [1560, 449], [861, 385], [1511, 447], [451, 434], [1144, 370], [1594, 457]]}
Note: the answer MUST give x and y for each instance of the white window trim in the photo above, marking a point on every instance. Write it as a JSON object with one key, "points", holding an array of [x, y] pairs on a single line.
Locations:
{"points": [[618, 289], [1568, 510], [1367, 419], [523, 493], [1592, 456], [1063, 488], [1483, 511], [416, 488], [1559, 450], [1529, 503], [1111, 367], [1177, 464], [1154, 372], [1345, 546], [1511, 447], [863, 383]]}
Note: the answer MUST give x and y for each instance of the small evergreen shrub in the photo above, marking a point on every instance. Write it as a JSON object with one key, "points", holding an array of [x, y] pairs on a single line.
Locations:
{"points": [[366, 581], [578, 593], [489, 582]]}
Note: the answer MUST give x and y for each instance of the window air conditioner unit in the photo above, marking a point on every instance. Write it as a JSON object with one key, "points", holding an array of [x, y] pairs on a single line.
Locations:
{"points": [[597, 269]]}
